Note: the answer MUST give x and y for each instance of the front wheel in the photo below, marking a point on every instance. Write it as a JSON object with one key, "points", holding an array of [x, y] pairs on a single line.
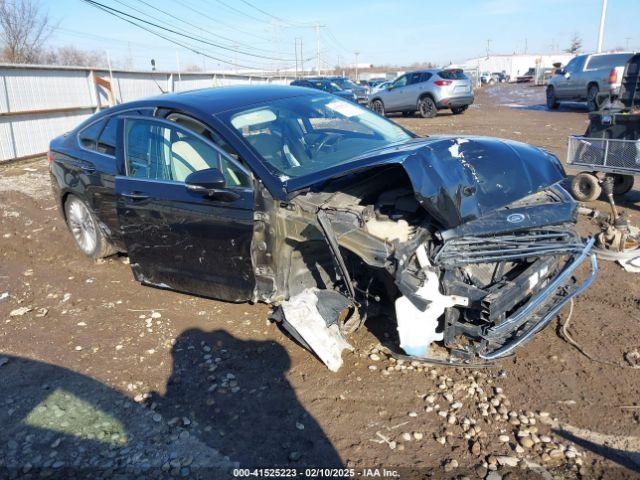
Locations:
{"points": [[378, 107], [552, 101], [459, 110], [427, 107], [84, 228]]}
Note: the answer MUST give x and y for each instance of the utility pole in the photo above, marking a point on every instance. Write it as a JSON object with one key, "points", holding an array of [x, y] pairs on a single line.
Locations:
{"points": [[295, 49], [603, 15], [178, 62], [488, 46], [318, 48], [626, 39], [301, 58], [525, 46], [357, 53]]}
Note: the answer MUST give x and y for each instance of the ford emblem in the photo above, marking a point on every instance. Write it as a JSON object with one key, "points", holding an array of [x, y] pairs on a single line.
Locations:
{"points": [[515, 218]]}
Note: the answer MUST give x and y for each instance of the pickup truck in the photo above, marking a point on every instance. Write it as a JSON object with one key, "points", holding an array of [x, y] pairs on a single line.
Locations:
{"points": [[587, 78]]}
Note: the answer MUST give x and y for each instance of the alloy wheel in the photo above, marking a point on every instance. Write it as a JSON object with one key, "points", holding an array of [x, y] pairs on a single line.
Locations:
{"points": [[82, 226]]}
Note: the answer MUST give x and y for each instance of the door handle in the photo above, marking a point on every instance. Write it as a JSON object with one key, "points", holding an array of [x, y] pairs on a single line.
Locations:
{"points": [[88, 169], [135, 195]]}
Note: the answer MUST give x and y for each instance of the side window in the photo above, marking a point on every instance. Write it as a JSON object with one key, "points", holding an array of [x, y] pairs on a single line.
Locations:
{"points": [[425, 76], [160, 152], [400, 82], [234, 176], [88, 136], [413, 78], [574, 65], [107, 140]]}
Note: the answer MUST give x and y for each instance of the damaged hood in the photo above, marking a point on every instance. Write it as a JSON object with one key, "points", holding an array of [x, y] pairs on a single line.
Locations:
{"points": [[458, 179]]}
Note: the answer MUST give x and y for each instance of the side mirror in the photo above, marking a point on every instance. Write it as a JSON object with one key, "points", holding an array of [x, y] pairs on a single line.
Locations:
{"points": [[566, 74], [390, 87], [210, 182]]}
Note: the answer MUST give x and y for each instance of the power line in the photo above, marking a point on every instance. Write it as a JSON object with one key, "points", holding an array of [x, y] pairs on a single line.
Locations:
{"points": [[245, 14], [175, 17], [280, 19], [175, 32], [175, 42]]}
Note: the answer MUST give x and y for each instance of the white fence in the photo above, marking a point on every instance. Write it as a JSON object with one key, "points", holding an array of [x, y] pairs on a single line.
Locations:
{"points": [[38, 103]]}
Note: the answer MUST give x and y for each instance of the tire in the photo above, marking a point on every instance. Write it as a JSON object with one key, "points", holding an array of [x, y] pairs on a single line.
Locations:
{"points": [[592, 98], [427, 107], [621, 183], [85, 230], [585, 187], [378, 107], [459, 110], [552, 101]]}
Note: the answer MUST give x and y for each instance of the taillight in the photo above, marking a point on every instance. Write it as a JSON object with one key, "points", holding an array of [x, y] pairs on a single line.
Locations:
{"points": [[50, 156], [613, 76], [443, 83]]}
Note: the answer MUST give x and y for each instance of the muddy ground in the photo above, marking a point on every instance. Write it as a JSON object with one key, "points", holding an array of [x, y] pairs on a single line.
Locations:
{"points": [[99, 374]]}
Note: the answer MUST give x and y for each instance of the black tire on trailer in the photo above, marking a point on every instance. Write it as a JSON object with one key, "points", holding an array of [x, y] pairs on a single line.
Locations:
{"points": [[378, 107], [552, 101], [427, 107], [621, 183], [585, 187], [592, 98]]}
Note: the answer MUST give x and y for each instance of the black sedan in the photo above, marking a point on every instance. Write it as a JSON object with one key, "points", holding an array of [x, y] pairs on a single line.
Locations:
{"points": [[331, 213]]}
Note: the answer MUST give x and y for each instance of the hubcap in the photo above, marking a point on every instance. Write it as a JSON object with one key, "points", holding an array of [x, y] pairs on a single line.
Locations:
{"points": [[425, 108], [377, 107], [82, 226]]}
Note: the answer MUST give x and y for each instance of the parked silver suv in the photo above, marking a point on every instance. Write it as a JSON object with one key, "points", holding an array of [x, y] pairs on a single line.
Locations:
{"points": [[587, 78], [426, 91]]}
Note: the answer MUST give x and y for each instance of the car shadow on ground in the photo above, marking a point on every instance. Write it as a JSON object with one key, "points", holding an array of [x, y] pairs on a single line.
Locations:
{"points": [[606, 446], [227, 404]]}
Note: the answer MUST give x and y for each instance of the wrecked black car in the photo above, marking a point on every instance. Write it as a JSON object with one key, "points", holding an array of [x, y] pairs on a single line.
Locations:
{"points": [[329, 212]]}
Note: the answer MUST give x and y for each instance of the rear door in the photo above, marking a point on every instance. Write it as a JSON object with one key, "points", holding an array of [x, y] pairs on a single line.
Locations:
{"points": [[176, 238]]}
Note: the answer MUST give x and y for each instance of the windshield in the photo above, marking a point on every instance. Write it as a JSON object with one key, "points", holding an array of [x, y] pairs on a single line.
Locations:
{"points": [[298, 136]]}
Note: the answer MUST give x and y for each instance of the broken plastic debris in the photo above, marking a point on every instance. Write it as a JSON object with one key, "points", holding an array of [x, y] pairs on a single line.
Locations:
{"points": [[417, 328], [302, 318]]}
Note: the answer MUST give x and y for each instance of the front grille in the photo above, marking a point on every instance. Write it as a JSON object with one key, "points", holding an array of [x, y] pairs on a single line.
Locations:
{"points": [[530, 243]]}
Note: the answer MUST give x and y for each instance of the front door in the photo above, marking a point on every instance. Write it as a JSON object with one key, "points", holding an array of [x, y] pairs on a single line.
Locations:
{"points": [[394, 98], [177, 238]]}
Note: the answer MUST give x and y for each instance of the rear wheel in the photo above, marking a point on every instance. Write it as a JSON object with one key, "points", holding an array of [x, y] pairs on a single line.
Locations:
{"points": [[592, 98], [427, 107], [459, 110], [585, 187], [552, 101], [84, 228], [378, 107], [621, 183]]}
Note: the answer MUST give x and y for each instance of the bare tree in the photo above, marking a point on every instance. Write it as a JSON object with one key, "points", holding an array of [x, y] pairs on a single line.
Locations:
{"points": [[24, 29], [72, 56], [575, 45]]}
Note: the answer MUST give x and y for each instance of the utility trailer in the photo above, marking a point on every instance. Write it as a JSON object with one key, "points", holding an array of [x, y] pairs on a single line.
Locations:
{"points": [[611, 145]]}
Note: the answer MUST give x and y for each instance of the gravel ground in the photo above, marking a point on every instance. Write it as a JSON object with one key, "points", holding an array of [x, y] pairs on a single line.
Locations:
{"points": [[100, 375]]}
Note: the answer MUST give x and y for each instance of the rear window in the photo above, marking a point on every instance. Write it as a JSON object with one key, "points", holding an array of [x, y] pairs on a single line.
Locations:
{"points": [[452, 75], [88, 136], [596, 62]]}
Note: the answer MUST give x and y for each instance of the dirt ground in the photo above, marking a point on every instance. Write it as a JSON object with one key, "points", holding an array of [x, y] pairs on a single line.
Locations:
{"points": [[100, 375]]}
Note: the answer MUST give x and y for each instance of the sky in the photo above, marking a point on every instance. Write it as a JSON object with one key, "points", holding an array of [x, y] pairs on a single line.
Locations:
{"points": [[398, 32]]}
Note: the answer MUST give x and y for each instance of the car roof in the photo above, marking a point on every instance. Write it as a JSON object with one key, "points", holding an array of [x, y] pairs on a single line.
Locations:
{"points": [[219, 99]]}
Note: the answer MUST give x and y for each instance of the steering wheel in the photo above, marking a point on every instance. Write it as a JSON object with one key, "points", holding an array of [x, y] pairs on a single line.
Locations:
{"points": [[331, 140]]}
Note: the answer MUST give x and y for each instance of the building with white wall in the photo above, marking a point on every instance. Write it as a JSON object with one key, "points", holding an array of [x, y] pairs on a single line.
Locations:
{"points": [[515, 65]]}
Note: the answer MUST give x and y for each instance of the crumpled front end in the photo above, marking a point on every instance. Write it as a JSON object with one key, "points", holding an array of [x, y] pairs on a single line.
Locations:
{"points": [[466, 269]]}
